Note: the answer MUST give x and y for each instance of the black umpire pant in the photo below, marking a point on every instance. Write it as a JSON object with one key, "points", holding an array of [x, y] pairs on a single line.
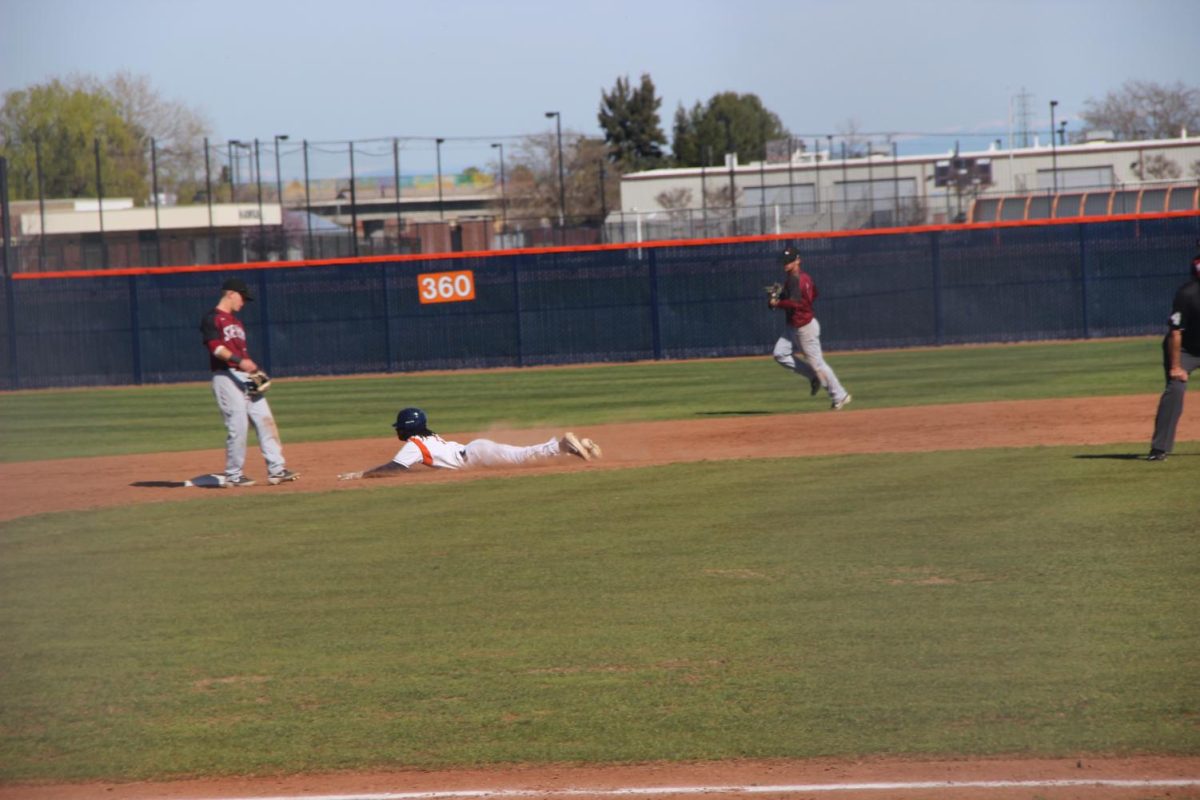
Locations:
{"points": [[1170, 405]]}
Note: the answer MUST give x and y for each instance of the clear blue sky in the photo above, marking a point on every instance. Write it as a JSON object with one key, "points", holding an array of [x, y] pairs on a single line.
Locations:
{"points": [[479, 71]]}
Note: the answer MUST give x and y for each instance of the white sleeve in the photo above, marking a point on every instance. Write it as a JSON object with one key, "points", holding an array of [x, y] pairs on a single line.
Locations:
{"points": [[409, 455]]}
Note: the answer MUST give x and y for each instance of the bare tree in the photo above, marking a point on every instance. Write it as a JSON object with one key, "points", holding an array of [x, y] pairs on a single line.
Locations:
{"points": [[1160, 168], [674, 199], [1141, 109], [533, 187], [178, 131], [720, 197], [851, 133]]}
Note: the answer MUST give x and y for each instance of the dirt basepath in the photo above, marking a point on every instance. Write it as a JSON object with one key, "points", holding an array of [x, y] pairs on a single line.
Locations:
{"points": [[77, 484]]}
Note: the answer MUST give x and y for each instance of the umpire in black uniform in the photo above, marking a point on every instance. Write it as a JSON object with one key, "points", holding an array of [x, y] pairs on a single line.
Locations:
{"points": [[1181, 355]]}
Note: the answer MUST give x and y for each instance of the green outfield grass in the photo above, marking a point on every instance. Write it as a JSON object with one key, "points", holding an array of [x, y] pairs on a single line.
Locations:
{"points": [[1038, 601], [60, 424], [985, 602]]}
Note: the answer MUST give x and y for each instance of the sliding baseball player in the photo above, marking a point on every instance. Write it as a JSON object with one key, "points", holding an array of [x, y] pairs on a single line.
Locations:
{"points": [[423, 446]]}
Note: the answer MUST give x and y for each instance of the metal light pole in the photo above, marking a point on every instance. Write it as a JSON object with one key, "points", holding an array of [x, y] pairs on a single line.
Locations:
{"points": [[817, 175], [895, 184], [353, 202], [829, 153], [5, 224], [307, 204], [262, 234], [503, 189], [562, 185], [212, 239], [281, 137], [1141, 135], [41, 187], [154, 189], [396, 177], [100, 204], [229, 145], [845, 180], [603, 200], [762, 178], [441, 210], [1053, 147], [791, 151], [728, 151]]}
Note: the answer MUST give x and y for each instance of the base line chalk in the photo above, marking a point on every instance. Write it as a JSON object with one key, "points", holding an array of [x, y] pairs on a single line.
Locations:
{"points": [[802, 788]]}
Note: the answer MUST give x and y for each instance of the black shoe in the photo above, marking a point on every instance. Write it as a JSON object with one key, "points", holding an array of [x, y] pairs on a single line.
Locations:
{"points": [[1156, 455]]}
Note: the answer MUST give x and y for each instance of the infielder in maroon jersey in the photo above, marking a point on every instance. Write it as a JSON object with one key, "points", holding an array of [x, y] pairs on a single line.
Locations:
{"points": [[804, 332], [225, 339]]}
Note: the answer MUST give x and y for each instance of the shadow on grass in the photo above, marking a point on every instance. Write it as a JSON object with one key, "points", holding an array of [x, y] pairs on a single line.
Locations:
{"points": [[1130, 456]]}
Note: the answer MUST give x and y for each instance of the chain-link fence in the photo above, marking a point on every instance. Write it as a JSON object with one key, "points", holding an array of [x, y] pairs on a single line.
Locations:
{"points": [[616, 303]]}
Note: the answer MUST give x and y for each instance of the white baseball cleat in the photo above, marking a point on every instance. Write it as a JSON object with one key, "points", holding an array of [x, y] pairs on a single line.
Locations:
{"points": [[283, 477], [838, 405], [571, 444], [591, 447]]}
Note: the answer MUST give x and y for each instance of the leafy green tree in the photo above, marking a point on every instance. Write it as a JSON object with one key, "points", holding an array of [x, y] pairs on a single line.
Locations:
{"points": [[65, 120], [632, 130], [728, 123], [125, 114]]}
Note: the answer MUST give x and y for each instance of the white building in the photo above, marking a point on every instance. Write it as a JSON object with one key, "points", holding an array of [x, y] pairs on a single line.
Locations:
{"points": [[817, 191]]}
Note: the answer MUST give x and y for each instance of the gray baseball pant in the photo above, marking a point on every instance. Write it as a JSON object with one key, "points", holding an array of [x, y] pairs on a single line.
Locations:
{"points": [[1170, 405], [807, 339], [239, 411]]}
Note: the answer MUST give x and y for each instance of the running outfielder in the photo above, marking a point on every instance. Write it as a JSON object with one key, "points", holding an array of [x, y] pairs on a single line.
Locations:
{"points": [[796, 296], [239, 385], [423, 446]]}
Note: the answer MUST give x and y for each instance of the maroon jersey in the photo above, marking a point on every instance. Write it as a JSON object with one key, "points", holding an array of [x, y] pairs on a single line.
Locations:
{"points": [[797, 298], [223, 328]]}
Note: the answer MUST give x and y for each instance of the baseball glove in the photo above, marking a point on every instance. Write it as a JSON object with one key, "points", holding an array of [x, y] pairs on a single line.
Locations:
{"points": [[257, 383], [773, 290]]}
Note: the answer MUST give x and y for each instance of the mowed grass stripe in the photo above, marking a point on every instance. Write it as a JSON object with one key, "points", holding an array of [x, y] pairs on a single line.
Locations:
{"points": [[978, 603], [114, 421]]}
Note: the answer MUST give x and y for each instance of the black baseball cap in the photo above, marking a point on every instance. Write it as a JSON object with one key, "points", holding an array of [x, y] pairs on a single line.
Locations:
{"points": [[237, 285], [789, 254]]}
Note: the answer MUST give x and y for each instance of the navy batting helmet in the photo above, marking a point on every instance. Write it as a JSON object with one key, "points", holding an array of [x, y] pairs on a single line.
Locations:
{"points": [[410, 421]]}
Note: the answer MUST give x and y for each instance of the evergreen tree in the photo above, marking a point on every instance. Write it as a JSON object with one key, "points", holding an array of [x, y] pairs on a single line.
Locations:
{"points": [[632, 131]]}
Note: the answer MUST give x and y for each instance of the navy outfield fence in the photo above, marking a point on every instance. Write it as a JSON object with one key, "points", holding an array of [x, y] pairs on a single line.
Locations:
{"points": [[676, 299]]}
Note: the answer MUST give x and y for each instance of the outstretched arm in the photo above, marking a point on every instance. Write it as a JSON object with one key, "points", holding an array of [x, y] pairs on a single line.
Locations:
{"points": [[382, 471]]}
